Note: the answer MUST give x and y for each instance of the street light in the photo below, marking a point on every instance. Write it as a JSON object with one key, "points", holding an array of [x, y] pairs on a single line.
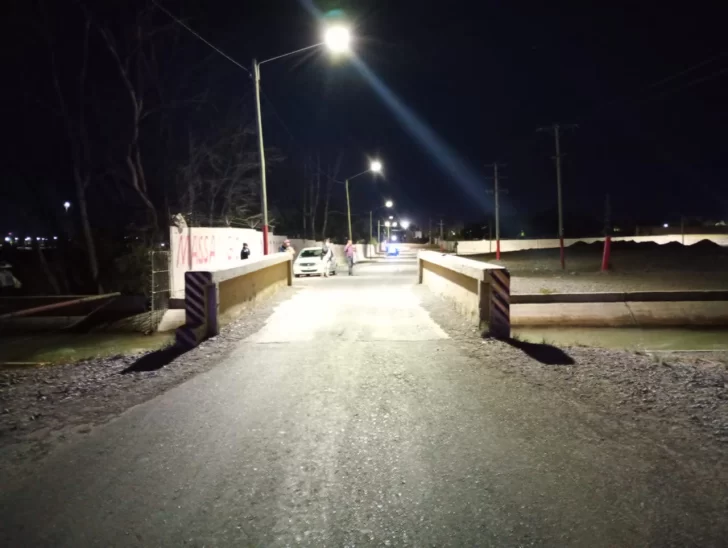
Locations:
{"points": [[337, 40], [375, 166], [405, 224], [387, 204], [66, 205]]}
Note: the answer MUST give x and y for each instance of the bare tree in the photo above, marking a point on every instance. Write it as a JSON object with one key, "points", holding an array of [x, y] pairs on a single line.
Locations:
{"points": [[331, 174], [72, 103], [221, 178], [131, 61]]}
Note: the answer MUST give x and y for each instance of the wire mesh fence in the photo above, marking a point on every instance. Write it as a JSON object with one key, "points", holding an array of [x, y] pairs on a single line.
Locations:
{"points": [[159, 288]]}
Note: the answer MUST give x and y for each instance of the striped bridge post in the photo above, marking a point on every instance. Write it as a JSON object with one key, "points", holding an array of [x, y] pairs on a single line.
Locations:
{"points": [[197, 290], [500, 303]]}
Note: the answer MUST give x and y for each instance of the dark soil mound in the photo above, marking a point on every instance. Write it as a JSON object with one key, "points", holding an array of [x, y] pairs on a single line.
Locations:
{"points": [[670, 246], [706, 246]]}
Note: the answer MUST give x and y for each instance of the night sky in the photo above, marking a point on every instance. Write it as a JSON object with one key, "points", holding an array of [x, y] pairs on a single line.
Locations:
{"points": [[646, 82]]}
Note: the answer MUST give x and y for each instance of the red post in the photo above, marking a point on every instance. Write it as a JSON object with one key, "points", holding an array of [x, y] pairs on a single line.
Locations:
{"points": [[607, 252], [497, 249], [563, 258], [265, 239]]}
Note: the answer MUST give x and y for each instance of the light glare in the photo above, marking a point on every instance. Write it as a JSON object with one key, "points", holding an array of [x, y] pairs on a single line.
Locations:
{"points": [[376, 166], [337, 39]]}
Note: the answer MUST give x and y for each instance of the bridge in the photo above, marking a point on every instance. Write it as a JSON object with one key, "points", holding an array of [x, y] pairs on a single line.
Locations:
{"points": [[365, 411]]}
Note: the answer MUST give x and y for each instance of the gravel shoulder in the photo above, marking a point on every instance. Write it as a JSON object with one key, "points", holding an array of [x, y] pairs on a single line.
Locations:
{"points": [[42, 407], [678, 398]]}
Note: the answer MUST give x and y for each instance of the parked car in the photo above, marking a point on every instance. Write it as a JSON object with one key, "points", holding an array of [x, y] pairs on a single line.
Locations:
{"points": [[309, 263]]}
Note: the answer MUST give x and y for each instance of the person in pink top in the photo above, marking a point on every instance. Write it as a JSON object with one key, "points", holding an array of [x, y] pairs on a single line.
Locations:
{"points": [[350, 252]]}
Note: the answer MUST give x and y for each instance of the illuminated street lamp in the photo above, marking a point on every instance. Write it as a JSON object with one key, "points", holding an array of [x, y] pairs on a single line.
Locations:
{"points": [[405, 224], [336, 39], [66, 206], [387, 204], [375, 166]]}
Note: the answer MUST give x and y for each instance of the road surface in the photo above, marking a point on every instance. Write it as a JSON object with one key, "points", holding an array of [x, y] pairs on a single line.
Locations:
{"points": [[352, 418]]}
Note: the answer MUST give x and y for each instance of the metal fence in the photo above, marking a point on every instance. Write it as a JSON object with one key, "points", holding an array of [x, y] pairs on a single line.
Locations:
{"points": [[159, 288]]}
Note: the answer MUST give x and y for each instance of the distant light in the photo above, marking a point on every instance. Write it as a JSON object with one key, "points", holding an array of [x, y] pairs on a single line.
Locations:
{"points": [[7, 239], [394, 223], [394, 237], [376, 166], [28, 238], [38, 239], [66, 205], [337, 39], [387, 224], [162, 244], [665, 225], [389, 203], [405, 224], [390, 217], [55, 237]]}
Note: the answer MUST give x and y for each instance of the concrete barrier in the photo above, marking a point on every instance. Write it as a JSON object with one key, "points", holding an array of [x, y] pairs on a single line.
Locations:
{"points": [[480, 291], [213, 298], [621, 314]]}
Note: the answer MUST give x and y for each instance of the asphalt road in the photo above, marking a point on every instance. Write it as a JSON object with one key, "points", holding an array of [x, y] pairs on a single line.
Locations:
{"points": [[351, 418]]}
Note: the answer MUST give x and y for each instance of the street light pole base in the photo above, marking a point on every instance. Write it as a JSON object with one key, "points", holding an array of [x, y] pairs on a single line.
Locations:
{"points": [[266, 251]]}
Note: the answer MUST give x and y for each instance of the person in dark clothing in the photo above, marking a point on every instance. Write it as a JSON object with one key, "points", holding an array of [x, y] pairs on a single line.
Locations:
{"points": [[245, 252]]}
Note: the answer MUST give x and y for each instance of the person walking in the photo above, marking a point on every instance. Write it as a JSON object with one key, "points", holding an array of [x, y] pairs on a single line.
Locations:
{"points": [[326, 255], [350, 252], [245, 252]]}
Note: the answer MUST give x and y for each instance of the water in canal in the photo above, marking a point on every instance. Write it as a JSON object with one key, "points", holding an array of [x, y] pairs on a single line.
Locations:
{"points": [[53, 348], [632, 338]]}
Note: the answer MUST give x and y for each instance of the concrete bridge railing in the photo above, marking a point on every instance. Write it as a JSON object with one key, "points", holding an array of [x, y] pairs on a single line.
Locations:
{"points": [[213, 298], [479, 291]]}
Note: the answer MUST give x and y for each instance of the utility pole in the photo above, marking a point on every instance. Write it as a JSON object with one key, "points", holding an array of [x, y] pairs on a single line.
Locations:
{"points": [[348, 209], [379, 234], [261, 151], [429, 233], [370, 228], [441, 232], [555, 129], [496, 193]]}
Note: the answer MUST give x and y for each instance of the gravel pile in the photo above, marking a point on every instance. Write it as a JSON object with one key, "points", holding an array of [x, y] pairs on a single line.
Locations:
{"points": [[634, 267]]}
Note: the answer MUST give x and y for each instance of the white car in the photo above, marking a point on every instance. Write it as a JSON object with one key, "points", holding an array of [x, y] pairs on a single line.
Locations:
{"points": [[309, 263]]}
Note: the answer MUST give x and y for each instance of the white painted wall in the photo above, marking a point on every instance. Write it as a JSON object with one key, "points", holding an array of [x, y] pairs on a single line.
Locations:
{"points": [[206, 248], [475, 247]]}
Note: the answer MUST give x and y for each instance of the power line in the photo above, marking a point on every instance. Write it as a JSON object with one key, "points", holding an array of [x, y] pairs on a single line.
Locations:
{"points": [[183, 25]]}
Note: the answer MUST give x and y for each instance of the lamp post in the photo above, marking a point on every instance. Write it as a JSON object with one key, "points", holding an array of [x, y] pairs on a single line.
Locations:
{"points": [[66, 206], [374, 167], [388, 204], [337, 40]]}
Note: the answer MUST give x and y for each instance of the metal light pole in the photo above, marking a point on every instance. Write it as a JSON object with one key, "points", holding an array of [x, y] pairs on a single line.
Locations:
{"points": [[558, 191], [261, 148], [375, 167], [337, 40]]}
